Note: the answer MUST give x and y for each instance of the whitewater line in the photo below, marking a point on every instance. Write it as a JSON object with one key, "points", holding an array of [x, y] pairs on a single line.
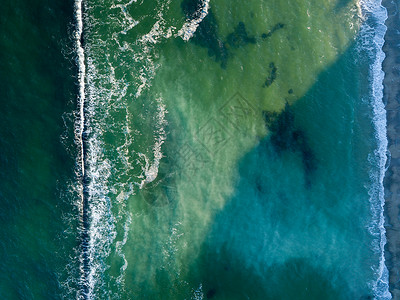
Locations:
{"points": [[375, 33], [83, 293], [190, 27], [380, 122], [81, 79]]}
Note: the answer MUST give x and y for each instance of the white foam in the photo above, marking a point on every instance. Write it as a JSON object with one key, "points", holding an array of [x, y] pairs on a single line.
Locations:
{"points": [[151, 169], [102, 228], [198, 293], [101, 231], [118, 248], [129, 22], [372, 39], [190, 27], [100, 93], [81, 79], [79, 129], [158, 30]]}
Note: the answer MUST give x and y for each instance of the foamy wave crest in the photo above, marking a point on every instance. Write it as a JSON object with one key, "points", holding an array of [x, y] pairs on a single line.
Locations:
{"points": [[80, 61], [372, 39], [106, 171], [101, 231], [151, 169], [158, 32], [129, 22], [190, 27]]}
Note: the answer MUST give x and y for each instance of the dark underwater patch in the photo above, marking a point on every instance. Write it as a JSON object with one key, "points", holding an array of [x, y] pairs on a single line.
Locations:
{"points": [[285, 136], [296, 278], [367, 297], [211, 293], [272, 75], [239, 37], [273, 30], [206, 34], [269, 117], [158, 195]]}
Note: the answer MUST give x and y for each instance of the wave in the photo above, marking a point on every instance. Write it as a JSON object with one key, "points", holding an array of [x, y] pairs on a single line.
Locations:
{"points": [[98, 219], [372, 34], [190, 27], [83, 292], [151, 170], [103, 95]]}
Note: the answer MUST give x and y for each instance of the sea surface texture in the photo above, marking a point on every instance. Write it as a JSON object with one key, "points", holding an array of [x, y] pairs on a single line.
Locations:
{"points": [[192, 149]]}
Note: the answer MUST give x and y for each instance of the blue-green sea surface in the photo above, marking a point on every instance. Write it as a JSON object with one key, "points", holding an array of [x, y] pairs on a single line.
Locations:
{"points": [[229, 149], [192, 149], [37, 88]]}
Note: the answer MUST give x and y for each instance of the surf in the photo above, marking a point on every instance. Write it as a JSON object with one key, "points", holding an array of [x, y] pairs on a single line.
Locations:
{"points": [[81, 168], [372, 34], [143, 122]]}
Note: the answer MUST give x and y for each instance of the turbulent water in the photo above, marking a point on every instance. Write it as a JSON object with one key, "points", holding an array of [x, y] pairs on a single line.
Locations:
{"points": [[192, 149]]}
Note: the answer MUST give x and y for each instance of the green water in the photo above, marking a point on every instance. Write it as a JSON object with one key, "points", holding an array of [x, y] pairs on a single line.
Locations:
{"points": [[37, 87], [234, 165]]}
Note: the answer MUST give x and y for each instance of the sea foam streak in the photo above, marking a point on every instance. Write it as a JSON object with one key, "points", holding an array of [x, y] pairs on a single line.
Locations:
{"points": [[190, 27], [151, 170], [372, 40], [101, 95], [81, 79], [97, 228], [79, 138]]}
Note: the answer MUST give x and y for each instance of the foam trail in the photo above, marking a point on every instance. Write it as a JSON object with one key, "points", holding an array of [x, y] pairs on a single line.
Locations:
{"points": [[190, 27], [151, 170], [98, 221], [79, 137], [373, 33], [81, 80], [119, 245]]}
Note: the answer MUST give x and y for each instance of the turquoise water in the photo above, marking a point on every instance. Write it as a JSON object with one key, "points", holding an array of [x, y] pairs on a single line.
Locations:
{"points": [[192, 150]]}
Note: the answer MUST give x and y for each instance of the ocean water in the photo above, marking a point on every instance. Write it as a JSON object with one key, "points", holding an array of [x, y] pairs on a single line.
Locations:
{"points": [[192, 150], [37, 89]]}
